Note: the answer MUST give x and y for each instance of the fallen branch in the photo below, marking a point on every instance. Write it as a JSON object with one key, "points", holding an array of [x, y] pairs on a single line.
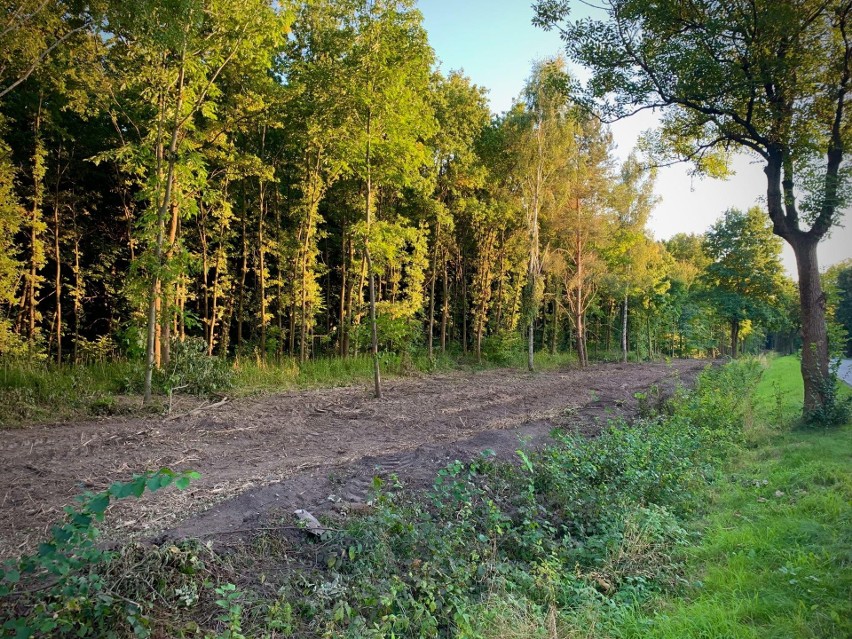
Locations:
{"points": [[195, 411]]}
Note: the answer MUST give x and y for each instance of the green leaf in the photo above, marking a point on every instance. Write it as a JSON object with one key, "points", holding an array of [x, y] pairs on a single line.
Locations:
{"points": [[137, 486], [99, 504]]}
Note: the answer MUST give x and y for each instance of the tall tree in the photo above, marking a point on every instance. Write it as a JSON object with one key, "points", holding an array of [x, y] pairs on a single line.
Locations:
{"points": [[744, 277], [771, 77], [166, 62], [627, 253], [461, 113], [542, 146], [390, 67], [582, 219]]}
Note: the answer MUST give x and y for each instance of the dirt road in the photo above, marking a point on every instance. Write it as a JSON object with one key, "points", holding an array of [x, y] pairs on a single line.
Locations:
{"points": [[276, 453]]}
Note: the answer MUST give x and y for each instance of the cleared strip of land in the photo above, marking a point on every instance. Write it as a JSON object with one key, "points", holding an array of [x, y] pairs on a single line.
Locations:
{"points": [[315, 441]]}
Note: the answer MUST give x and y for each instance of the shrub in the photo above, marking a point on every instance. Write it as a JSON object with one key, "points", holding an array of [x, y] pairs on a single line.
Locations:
{"points": [[581, 523], [193, 371]]}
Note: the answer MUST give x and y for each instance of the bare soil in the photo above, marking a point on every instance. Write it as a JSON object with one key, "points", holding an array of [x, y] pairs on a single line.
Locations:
{"points": [[260, 457]]}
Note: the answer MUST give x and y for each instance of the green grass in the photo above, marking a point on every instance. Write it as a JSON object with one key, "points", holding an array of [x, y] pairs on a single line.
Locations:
{"points": [[253, 376], [777, 400], [775, 558], [33, 390]]}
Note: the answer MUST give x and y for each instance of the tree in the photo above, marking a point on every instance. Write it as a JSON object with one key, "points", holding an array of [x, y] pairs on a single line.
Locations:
{"points": [[627, 256], [837, 282], [461, 114], [318, 85], [166, 62], [582, 216], [11, 215], [32, 30], [771, 77], [744, 278], [390, 67], [542, 144]]}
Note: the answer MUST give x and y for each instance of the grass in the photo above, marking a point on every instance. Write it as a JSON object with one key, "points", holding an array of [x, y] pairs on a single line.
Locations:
{"points": [[775, 558], [253, 376], [777, 400], [35, 390]]}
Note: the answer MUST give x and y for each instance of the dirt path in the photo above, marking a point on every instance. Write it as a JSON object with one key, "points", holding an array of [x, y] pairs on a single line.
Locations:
{"points": [[295, 449]]}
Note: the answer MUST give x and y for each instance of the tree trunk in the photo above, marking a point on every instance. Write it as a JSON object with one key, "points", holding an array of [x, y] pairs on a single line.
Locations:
{"points": [[78, 296], [624, 330], [555, 322], [581, 339], [431, 335], [261, 264], [36, 244], [154, 302], [377, 375], [341, 343], [735, 338], [58, 277], [243, 273], [650, 339], [815, 369], [464, 308], [781, 205], [445, 310]]}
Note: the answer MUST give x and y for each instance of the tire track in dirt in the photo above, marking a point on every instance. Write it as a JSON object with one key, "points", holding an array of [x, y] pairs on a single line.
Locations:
{"points": [[294, 449]]}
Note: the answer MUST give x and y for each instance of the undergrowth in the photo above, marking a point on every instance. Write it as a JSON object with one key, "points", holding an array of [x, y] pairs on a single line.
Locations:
{"points": [[34, 390], [584, 526]]}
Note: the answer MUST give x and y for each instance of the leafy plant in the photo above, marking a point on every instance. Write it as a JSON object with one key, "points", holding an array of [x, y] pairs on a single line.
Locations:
{"points": [[60, 590], [193, 371]]}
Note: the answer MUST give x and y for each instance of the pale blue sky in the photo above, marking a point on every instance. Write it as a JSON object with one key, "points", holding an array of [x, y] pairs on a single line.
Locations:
{"points": [[495, 43]]}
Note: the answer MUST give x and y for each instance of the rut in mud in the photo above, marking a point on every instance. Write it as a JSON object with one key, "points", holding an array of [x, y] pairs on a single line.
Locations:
{"points": [[293, 450]]}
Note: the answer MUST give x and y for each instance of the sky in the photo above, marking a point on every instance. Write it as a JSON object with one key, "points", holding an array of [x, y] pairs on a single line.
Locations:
{"points": [[494, 43]]}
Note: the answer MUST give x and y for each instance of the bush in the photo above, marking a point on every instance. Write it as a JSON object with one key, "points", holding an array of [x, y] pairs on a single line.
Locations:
{"points": [[584, 522], [193, 371]]}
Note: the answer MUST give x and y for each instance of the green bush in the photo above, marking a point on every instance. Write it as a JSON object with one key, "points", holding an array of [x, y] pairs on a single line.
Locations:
{"points": [[584, 521], [193, 371]]}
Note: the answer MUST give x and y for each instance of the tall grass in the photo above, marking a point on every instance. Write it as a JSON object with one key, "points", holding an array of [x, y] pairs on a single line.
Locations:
{"points": [[34, 390]]}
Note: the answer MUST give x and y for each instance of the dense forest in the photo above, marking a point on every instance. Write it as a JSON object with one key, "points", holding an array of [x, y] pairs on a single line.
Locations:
{"points": [[266, 178]]}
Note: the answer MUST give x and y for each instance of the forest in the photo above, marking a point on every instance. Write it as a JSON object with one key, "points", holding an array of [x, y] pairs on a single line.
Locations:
{"points": [[299, 339], [263, 179]]}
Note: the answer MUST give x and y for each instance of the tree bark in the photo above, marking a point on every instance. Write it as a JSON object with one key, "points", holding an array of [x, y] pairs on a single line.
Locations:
{"points": [[735, 338], [58, 275], [445, 310], [785, 224], [431, 335], [815, 369], [261, 261], [162, 208], [377, 375]]}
